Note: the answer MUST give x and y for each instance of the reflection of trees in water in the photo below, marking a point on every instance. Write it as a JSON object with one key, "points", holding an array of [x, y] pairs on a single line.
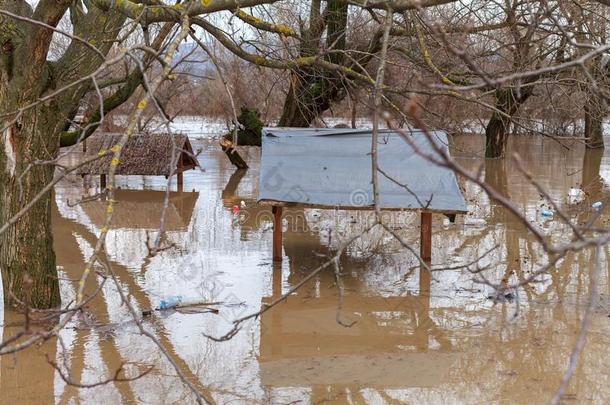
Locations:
{"points": [[70, 256]]}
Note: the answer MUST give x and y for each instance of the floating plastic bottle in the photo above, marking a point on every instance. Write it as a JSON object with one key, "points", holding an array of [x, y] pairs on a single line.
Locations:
{"points": [[170, 302], [546, 213], [596, 205]]}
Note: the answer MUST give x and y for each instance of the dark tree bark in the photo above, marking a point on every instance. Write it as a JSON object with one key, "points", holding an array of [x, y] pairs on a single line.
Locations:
{"points": [[313, 90], [508, 102], [596, 107], [27, 259], [595, 112], [592, 181]]}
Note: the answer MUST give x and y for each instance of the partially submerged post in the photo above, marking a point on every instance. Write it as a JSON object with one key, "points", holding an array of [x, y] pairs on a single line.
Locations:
{"points": [[425, 239], [330, 168], [143, 155], [277, 233]]}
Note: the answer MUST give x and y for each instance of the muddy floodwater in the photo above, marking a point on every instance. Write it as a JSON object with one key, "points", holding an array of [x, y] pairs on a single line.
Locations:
{"points": [[403, 336]]}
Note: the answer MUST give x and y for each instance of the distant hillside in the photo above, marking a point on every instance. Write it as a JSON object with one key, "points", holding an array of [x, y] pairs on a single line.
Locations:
{"points": [[192, 59]]}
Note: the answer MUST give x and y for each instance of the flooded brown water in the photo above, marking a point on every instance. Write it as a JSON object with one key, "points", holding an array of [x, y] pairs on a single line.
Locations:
{"points": [[413, 338]]}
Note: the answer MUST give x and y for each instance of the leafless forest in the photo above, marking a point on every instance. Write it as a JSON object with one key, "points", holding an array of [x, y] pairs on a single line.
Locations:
{"points": [[520, 87]]}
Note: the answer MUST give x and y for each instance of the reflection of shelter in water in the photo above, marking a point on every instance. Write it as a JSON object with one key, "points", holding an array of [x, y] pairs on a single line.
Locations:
{"points": [[141, 209], [303, 344]]}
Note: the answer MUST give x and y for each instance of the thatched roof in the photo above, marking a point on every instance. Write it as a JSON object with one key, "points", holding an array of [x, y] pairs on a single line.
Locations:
{"points": [[145, 154]]}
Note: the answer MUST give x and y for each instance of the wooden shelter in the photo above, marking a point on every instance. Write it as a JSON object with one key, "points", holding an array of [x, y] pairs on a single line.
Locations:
{"points": [[331, 169], [145, 154]]}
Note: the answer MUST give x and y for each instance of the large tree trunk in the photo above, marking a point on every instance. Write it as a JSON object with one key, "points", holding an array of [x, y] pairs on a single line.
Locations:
{"points": [[594, 115], [310, 95], [592, 181], [313, 90], [27, 260], [508, 102], [495, 135]]}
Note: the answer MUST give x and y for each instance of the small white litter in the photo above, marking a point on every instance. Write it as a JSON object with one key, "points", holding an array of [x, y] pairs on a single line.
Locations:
{"points": [[575, 196]]}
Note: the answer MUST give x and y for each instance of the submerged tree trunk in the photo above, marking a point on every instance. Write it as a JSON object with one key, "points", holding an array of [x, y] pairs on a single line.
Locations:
{"points": [[592, 181], [27, 259], [495, 135], [508, 102], [595, 111]]}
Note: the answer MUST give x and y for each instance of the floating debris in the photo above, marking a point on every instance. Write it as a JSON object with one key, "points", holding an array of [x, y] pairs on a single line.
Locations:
{"points": [[502, 297], [477, 222], [170, 302], [575, 196]]}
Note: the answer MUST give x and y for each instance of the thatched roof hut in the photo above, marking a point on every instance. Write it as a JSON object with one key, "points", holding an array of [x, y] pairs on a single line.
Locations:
{"points": [[145, 154]]}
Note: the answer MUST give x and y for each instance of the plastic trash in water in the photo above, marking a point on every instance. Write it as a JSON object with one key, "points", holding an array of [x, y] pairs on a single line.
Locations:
{"points": [[235, 209], [575, 196], [242, 204], [170, 302], [597, 205], [546, 213], [474, 222]]}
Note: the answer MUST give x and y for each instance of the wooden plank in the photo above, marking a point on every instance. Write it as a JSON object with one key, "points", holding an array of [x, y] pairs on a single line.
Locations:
{"points": [[351, 207], [231, 152], [102, 181], [277, 233], [426, 236]]}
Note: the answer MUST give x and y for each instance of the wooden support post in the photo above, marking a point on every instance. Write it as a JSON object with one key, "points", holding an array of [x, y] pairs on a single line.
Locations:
{"points": [[102, 182], [180, 181], [425, 250], [277, 233], [180, 170]]}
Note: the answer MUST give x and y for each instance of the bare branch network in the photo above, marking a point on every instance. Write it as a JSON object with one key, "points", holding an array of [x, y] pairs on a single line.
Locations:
{"points": [[69, 69]]}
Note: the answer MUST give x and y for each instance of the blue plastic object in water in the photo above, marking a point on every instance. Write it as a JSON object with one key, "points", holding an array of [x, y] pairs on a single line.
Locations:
{"points": [[546, 213], [170, 302]]}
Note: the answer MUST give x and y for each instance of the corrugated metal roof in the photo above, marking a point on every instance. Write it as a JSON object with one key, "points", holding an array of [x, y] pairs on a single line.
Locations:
{"points": [[331, 167]]}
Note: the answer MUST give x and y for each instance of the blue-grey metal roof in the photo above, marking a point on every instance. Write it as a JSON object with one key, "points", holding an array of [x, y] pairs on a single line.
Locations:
{"points": [[331, 167]]}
